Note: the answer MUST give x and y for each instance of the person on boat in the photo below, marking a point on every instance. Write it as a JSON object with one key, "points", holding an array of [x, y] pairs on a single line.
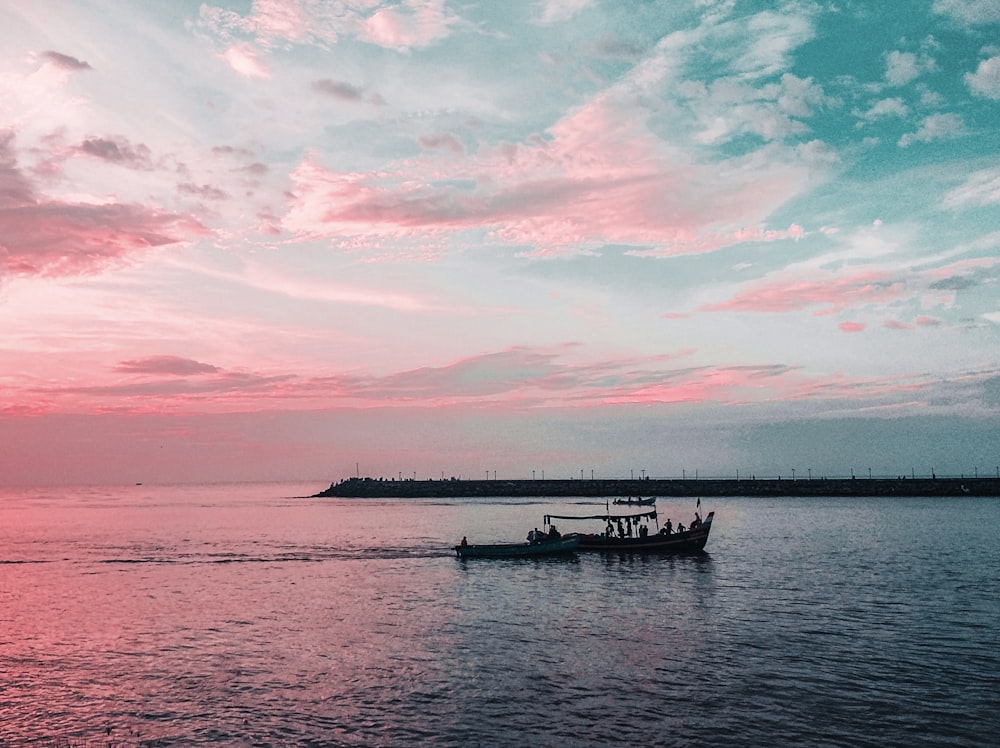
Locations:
{"points": [[553, 532], [680, 527], [643, 531], [696, 522], [534, 536], [668, 527], [610, 529]]}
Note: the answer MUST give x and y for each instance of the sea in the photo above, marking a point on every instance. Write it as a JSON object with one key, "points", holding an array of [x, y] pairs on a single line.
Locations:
{"points": [[249, 615]]}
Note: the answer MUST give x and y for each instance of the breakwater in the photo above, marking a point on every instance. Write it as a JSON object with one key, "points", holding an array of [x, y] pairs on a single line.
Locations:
{"points": [[374, 488]]}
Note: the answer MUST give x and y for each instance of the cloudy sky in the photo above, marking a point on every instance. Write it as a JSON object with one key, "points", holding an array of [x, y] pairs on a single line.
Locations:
{"points": [[303, 238]]}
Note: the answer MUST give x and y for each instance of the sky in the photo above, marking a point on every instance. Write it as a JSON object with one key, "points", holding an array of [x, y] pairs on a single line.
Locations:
{"points": [[297, 239]]}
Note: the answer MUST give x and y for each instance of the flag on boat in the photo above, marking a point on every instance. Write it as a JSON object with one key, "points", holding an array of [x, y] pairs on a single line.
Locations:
{"points": [[698, 503]]}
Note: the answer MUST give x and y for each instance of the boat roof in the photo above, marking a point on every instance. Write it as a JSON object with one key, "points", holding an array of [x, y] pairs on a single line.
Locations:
{"points": [[605, 517]]}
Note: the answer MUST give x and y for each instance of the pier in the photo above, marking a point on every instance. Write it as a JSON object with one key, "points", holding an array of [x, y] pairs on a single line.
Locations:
{"points": [[666, 487]]}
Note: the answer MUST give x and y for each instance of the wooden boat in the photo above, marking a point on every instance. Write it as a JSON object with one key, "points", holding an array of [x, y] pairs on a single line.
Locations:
{"points": [[691, 540], [636, 501], [545, 547]]}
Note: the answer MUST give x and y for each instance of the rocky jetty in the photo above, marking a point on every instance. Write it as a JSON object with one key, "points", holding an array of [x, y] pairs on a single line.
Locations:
{"points": [[902, 486]]}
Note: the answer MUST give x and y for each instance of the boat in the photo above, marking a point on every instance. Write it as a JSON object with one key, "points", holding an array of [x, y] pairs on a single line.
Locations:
{"points": [[547, 546], [636, 501], [630, 533]]}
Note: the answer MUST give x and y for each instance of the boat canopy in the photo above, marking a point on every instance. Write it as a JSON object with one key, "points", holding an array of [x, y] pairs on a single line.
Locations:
{"points": [[603, 517]]}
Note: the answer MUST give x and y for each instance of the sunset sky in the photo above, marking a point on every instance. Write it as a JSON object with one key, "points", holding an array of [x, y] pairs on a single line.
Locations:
{"points": [[292, 239]]}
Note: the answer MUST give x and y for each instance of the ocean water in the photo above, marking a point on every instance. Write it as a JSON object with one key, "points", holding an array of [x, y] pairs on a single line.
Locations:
{"points": [[238, 615]]}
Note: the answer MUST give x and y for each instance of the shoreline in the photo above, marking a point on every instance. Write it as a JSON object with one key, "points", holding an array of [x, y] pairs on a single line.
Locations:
{"points": [[666, 487]]}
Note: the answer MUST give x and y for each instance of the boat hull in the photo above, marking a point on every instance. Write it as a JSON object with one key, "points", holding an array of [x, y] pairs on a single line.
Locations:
{"points": [[689, 541], [566, 544]]}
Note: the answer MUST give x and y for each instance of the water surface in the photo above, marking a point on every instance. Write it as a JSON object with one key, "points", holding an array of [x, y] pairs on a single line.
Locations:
{"points": [[239, 615]]}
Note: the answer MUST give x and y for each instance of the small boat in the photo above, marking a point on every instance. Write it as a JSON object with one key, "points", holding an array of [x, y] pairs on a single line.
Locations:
{"points": [[636, 501], [546, 547], [630, 533]]}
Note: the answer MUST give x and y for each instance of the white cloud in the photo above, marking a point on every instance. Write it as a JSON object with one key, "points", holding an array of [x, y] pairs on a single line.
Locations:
{"points": [[554, 11], [981, 188], [970, 11], [903, 67], [772, 39], [893, 107], [934, 127], [985, 81]]}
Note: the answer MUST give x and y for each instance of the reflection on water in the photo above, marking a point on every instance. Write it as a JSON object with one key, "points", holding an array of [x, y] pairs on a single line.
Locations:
{"points": [[218, 615]]}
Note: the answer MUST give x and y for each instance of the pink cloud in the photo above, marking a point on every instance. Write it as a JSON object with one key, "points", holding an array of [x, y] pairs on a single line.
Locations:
{"points": [[924, 321], [793, 294], [852, 326], [599, 178], [245, 60], [228, 150], [403, 25], [51, 237], [117, 150], [65, 62], [338, 90], [274, 22], [280, 19], [446, 142], [520, 377], [225, 392], [204, 191], [173, 365], [730, 385], [58, 238], [894, 324], [410, 24]]}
